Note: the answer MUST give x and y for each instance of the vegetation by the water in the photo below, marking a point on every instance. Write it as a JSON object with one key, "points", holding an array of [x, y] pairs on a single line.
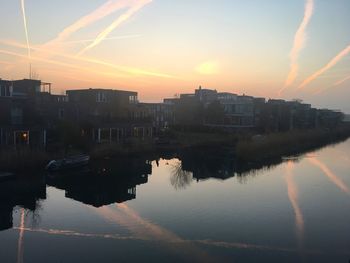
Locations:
{"points": [[245, 147], [264, 147]]}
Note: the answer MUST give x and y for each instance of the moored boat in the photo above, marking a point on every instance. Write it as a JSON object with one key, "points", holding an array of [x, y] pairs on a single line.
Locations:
{"points": [[6, 176], [68, 163]]}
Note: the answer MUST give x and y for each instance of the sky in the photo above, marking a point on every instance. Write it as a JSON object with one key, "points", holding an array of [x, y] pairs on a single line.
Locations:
{"points": [[291, 49]]}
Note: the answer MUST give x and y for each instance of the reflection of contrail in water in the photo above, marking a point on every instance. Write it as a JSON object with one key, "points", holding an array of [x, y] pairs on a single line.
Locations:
{"points": [[206, 242], [75, 234], [146, 230], [25, 26], [20, 239], [293, 197], [299, 41], [330, 64], [124, 17], [331, 176]]}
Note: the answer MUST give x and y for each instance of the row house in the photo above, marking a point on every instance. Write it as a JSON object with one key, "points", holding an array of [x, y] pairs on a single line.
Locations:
{"points": [[30, 114]]}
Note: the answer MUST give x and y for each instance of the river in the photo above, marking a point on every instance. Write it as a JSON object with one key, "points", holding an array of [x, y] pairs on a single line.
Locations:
{"points": [[194, 208]]}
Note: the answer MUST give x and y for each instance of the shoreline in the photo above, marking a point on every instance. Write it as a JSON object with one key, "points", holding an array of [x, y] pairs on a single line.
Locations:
{"points": [[245, 149]]}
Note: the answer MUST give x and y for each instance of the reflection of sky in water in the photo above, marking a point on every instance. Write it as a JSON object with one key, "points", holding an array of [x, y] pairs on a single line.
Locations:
{"points": [[274, 214]]}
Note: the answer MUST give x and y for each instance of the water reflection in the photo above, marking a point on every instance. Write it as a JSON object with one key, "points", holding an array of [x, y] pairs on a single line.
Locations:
{"points": [[143, 229], [293, 195], [180, 178], [24, 193], [107, 185], [20, 238], [331, 176], [105, 182]]}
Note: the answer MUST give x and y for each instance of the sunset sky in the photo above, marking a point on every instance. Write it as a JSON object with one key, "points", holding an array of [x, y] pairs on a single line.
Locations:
{"points": [[268, 48]]}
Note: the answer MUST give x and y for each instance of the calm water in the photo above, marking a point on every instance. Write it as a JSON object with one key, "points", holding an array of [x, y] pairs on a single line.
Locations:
{"points": [[197, 209]]}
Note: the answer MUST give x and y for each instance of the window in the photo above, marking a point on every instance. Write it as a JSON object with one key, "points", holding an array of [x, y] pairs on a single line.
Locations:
{"points": [[101, 97], [16, 116], [61, 114]]}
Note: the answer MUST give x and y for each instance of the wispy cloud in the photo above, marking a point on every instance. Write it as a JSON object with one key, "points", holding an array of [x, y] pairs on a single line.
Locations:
{"points": [[121, 19], [25, 26], [328, 66], [299, 43]]}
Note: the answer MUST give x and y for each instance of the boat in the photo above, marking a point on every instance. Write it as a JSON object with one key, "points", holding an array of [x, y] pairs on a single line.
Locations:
{"points": [[6, 176], [68, 163]]}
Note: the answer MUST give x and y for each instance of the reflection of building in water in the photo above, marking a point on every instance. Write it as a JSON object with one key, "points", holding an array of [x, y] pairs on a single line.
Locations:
{"points": [[220, 164], [106, 182], [21, 193], [205, 165]]}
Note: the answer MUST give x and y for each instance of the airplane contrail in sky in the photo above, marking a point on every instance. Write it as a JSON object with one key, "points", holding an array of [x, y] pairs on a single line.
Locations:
{"points": [[25, 26], [106, 9], [129, 70], [328, 66], [107, 38], [299, 43], [121, 19], [338, 83]]}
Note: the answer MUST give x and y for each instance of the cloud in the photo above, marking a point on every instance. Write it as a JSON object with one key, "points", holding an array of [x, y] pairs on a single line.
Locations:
{"points": [[25, 26], [328, 66], [208, 68], [299, 43], [121, 19]]}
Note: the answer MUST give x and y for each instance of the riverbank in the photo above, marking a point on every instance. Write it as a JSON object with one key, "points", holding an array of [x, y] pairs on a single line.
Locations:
{"points": [[248, 147], [278, 145]]}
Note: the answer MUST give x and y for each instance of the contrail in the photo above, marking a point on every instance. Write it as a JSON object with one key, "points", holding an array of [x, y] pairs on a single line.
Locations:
{"points": [[58, 63], [128, 70], [124, 17], [299, 43], [25, 26], [107, 38], [338, 83], [330, 64], [101, 12]]}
